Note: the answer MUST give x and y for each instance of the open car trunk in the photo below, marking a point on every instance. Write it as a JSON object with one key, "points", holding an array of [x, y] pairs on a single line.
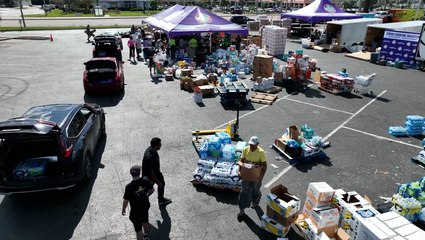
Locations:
{"points": [[27, 159], [101, 75]]}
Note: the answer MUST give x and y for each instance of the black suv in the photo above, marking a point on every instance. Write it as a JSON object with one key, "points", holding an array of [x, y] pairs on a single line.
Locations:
{"points": [[241, 20], [107, 46], [49, 147]]}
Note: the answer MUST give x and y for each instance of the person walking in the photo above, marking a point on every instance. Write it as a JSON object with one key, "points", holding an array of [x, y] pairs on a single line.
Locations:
{"points": [[151, 169], [138, 43], [250, 190], [150, 59], [131, 43], [137, 193], [89, 32]]}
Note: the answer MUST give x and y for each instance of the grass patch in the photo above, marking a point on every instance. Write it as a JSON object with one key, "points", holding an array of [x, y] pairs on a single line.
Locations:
{"points": [[112, 13], [6, 29]]}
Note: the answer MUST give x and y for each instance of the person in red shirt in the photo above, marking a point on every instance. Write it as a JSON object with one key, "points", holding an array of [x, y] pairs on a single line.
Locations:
{"points": [[131, 45]]}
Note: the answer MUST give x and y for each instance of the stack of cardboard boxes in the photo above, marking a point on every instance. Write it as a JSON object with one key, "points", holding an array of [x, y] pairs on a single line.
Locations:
{"points": [[282, 210], [274, 38], [254, 26], [262, 66], [321, 216], [362, 221]]}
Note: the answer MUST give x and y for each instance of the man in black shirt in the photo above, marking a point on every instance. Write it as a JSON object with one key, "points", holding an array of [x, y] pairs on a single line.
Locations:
{"points": [[137, 192], [151, 169]]}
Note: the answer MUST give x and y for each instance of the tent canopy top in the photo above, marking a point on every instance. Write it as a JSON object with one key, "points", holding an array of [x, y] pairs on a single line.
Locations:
{"points": [[320, 10], [185, 20]]}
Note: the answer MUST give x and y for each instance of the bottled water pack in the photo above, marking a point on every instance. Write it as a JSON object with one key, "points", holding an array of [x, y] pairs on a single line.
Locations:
{"points": [[397, 131]]}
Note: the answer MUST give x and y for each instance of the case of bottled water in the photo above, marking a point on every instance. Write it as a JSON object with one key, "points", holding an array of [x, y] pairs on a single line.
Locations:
{"points": [[204, 152], [229, 152], [223, 137], [397, 131]]}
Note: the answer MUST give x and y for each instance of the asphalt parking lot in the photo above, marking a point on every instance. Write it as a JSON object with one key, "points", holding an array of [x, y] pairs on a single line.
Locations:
{"points": [[363, 156]]}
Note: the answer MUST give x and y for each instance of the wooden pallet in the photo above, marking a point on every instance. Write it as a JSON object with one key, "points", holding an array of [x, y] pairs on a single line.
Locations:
{"points": [[196, 182], [274, 89], [198, 140], [318, 156], [263, 98], [365, 56]]}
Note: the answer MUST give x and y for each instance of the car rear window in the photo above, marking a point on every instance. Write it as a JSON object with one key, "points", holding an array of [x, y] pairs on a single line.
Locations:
{"points": [[55, 113], [100, 64]]}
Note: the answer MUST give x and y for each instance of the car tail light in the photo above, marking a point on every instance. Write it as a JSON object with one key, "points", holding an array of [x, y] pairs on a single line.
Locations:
{"points": [[42, 121], [117, 78], [67, 152]]}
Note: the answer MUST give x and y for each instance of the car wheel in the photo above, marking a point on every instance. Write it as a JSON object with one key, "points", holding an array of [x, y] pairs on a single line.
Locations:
{"points": [[87, 167]]}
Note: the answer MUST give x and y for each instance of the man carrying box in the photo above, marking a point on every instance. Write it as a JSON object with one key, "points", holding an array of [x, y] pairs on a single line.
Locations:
{"points": [[252, 168]]}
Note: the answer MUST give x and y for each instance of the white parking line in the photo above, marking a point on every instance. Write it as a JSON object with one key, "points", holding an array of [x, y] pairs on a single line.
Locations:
{"points": [[318, 106], [382, 138], [354, 115], [267, 185], [279, 175], [249, 113]]}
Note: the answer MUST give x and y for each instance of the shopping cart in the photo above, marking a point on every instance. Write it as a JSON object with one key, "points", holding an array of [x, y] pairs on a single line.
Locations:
{"points": [[362, 83]]}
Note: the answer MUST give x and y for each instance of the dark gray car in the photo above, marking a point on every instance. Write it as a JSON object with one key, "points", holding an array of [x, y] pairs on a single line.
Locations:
{"points": [[49, 147]]}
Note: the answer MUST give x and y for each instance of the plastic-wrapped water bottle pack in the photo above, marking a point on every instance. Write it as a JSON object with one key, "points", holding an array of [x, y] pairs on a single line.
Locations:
{"points": [[410, 208], [397, 131], [410, 200], [414, 125]]}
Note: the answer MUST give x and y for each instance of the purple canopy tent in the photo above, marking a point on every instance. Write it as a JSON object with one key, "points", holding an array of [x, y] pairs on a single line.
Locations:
{"points": [[320, 10], [185, 20]]}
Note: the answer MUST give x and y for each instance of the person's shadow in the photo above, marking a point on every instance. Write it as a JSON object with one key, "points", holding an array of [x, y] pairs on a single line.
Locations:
{"points": [[257, 230], [164, 227]]}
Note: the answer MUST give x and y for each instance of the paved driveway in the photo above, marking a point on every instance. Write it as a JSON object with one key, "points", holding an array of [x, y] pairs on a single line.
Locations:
{"points": [[363, 157]]}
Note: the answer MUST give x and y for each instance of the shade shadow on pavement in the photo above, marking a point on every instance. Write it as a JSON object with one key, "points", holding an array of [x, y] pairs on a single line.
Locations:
{"points": [[308, 165], [105, 99], [48, 215], [230, 197], [164, 227]]}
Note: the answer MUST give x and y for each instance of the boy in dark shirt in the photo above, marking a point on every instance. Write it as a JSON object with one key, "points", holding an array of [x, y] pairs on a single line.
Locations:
{"points": [[137, 192]]}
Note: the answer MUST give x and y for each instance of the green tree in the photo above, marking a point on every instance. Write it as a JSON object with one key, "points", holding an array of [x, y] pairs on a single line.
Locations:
{"points": [[154, 5]]}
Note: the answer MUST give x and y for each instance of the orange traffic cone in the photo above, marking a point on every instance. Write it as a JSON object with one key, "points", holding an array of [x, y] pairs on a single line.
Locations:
{"points": [[51, 38]]}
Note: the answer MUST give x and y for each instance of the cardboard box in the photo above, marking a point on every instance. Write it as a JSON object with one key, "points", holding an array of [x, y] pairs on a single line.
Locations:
{"points": [[282, 202], [250, 172], [273, 227], [407, 230], [280, 143], [319, 192], [186, 73], [325, 217], [207, 90], [416, 235], [341, 235], [278, 76], [284, 221], [294, 132], [374, 229], [353, 219], [322, 236], [393, 220], [314, 231]]}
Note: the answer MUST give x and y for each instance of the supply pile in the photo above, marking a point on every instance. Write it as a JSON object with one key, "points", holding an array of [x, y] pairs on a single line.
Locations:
{"points": [[282, 210], [274, 39], [330, 213], [336, 83], [409, 201], [299, 144], [217, 164], [414, 126]]}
